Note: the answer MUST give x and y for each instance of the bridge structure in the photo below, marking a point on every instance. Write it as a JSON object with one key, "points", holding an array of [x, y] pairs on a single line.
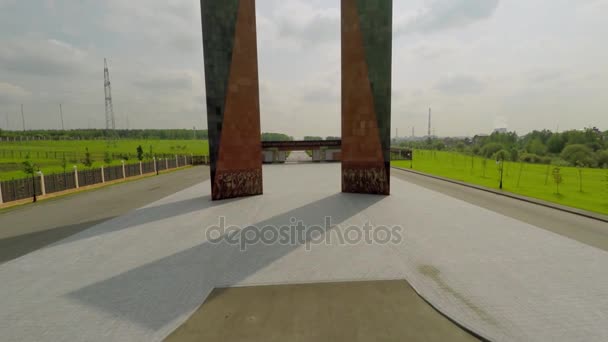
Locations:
{"points": [[233, 106], [320, 150], [272, 149], [301, 145]]}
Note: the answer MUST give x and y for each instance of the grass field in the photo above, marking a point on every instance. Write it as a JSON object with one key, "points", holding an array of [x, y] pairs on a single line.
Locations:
{"points": [[531, 180], [48, 155]]}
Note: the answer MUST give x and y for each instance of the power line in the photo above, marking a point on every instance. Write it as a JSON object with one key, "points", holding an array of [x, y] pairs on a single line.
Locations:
{"points": [[429, 131], [22, 118], [61, 116]]}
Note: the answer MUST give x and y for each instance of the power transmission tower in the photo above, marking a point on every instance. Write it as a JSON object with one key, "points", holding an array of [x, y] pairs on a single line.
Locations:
{"points": [[110, 123], [22, 118], [61, 116], [429, 132]]}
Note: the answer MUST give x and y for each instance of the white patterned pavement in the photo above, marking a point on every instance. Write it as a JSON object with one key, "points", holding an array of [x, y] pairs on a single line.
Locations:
{"points": [[139, 276]]}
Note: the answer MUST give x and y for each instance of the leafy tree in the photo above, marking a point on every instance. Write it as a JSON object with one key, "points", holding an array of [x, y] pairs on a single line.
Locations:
{"points": [[87, 162], [312, 138], [64, 162], [332, 138], [490, 149], [580, 177], [557, 178], [88, 134], [140, 153], [107, 158], [514, 154], [602, 158], [578, 155], [276, 137], [502, 155], [438, 145], [556, 144], [30, 169], [537, 147]]}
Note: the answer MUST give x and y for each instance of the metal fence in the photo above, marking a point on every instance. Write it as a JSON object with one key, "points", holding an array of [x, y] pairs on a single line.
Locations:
{"points": [[59, 182], [17, 189], [20, 188]]}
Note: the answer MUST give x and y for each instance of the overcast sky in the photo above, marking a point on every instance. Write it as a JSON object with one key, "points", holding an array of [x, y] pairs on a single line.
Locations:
{"points": [[480, 64]]}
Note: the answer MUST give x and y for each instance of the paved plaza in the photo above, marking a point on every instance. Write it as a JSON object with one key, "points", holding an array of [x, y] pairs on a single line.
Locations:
{"points": [[140, 276]]}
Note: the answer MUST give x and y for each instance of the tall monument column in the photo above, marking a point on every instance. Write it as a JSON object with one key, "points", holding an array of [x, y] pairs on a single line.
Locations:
{"points": [[366, 95], [233, 105]]}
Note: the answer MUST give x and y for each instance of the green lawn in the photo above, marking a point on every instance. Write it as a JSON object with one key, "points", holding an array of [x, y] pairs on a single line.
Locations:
{"points": [[48, 155], [531, 180]]}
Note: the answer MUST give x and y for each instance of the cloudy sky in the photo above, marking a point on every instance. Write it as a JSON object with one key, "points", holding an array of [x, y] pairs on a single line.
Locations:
{"points": [[480, 64]]}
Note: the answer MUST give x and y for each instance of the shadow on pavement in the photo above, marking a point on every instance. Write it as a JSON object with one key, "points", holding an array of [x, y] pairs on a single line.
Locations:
{"points": [[16, 246], [160, 292]]}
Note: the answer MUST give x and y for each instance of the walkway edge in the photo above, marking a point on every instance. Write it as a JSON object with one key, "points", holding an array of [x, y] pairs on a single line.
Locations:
{"points": [[74, 191], [571, 210]]}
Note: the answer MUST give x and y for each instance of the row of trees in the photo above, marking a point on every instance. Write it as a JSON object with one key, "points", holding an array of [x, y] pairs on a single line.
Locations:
{"points": [[92, 134], [285, 137], [588, 147]]}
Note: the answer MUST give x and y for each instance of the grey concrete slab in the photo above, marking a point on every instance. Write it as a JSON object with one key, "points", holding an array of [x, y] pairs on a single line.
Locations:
{"points": [[30, 227], [583, 229], [141, 275], [353, 311]]}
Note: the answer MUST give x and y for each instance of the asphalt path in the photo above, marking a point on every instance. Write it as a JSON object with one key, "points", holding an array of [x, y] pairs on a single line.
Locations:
{"points": [[30, 227], [586, 230]]}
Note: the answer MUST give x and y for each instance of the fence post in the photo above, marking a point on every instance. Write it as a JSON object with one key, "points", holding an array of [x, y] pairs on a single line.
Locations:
{"points": [[103, 177], [76, 176], [42, 186], [176, 162], [166, 163], [124, 175], [185, 160], [1, 201], [140, 169], [155, 168]]}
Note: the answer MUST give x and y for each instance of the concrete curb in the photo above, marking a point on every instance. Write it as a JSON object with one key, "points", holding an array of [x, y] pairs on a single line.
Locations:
{"points": [[571, 210]]}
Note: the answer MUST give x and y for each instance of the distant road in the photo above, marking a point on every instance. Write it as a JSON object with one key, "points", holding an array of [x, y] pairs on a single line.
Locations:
{"points": [[588, 231], [298, 157], [30, 227]]}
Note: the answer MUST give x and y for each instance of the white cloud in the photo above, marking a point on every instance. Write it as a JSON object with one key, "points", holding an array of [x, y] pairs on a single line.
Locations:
{"points": [[48, 57], [440, 15], [471, 60], [176, 80], [10, 93], [460, 85]]}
